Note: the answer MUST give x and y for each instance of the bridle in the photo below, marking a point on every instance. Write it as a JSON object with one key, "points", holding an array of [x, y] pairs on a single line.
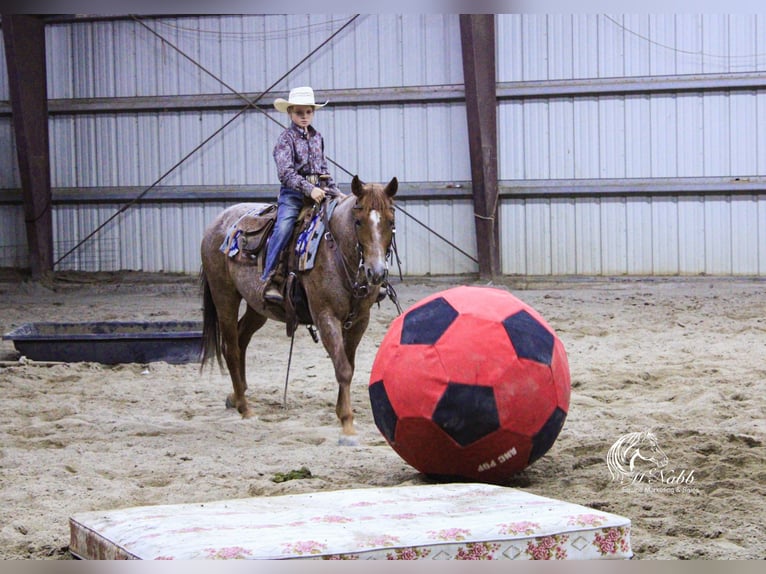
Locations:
{"points": [[358, 284]]}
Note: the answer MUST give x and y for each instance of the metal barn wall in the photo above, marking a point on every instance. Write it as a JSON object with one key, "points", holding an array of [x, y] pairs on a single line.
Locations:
{"points": [[100, 155], [596, 177], [594, 119]]}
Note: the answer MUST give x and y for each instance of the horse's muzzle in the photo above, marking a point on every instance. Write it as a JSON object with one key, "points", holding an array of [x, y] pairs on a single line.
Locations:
{"points": [[376, 275]]}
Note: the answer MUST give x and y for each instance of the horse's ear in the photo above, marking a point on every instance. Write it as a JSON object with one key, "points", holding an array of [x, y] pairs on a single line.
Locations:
{"points": [[356, 186], [392, 186]]}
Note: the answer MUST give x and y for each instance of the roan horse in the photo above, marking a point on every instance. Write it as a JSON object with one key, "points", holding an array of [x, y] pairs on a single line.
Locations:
{"points": [[349, 269]]}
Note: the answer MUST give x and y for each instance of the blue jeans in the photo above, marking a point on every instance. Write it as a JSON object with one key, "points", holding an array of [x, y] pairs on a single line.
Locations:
{"points": [[289, 205]]}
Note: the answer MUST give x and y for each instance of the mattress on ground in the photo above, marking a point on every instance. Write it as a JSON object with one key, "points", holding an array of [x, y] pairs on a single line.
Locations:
{"points": [[446, 521]]}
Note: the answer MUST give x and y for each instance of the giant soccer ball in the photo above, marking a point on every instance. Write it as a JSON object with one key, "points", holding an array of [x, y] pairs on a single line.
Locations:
{"points": [[471, 383]]}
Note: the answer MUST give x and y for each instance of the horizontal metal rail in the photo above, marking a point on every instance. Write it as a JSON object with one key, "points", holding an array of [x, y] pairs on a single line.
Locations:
{"points": [[457, 190], [450, 93]]}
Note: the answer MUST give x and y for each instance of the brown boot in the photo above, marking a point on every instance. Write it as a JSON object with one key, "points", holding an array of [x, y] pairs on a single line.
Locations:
{"points": [[273, 295]]}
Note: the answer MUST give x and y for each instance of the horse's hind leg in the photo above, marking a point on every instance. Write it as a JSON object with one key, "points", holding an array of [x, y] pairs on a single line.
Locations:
{"points": [[250, 322], [228, 311]]}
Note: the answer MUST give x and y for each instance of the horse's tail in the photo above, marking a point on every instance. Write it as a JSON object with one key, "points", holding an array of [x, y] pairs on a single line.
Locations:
{"points": [[211, 334]]}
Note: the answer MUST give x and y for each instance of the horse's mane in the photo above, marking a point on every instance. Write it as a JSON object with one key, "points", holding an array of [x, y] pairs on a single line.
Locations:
{"points": [[376, 198]]}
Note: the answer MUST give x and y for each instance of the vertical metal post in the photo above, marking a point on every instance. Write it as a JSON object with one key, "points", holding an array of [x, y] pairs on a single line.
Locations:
{"points": [[477, 35], [24, 38]]}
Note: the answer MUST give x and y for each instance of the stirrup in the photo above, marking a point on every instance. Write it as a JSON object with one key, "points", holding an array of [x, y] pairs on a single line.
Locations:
{"points": [[273, 295]]}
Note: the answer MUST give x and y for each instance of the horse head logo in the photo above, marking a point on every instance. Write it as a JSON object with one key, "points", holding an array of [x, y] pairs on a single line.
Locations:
{"points": [[635, 456]]}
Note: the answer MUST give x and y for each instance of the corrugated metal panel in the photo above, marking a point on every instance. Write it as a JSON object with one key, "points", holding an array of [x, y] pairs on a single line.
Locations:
{"points": [[4, 88], [583, 236], [13, 237], [537, 236], [635, 136], [9, 167], [422, 252], [545, 46], [250, 52], [744, 228], [691, 234], [116, 150], [684, 135], [614, 239], [718, 236], [637, 236], [562, 236], [761, 237], [513, 236], [665, 244], [639, 241]]}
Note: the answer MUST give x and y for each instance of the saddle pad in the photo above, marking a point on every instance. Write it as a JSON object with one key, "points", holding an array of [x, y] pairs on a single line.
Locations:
{"points": [[447, 521], [230, 245], [308, 241]]}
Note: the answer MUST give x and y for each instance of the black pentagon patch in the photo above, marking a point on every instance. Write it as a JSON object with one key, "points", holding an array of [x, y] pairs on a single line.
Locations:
{"points": [[546, 436], [425, 324], [382, 411], [467, 412], [529, 338]]}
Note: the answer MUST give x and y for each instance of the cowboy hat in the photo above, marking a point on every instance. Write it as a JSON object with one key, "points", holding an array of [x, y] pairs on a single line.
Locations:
{"points": [[303, 96]]}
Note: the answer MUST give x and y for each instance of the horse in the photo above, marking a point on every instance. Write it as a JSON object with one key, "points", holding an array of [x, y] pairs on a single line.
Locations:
{"points": [[632, 449], [350, 267]]}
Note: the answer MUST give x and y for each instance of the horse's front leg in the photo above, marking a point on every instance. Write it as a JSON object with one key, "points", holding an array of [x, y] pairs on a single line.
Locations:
{"points": [[332, 335]]}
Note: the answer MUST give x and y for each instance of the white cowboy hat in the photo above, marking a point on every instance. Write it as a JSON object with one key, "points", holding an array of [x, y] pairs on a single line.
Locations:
{"points": [[303, 96]]}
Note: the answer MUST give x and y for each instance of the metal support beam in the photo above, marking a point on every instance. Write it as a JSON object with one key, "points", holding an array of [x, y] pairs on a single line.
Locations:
{"points": [[24, 38], [477, 35]]}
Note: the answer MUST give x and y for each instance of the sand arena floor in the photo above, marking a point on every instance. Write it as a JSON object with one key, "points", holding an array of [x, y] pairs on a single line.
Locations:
{"points": [[682, 357]]}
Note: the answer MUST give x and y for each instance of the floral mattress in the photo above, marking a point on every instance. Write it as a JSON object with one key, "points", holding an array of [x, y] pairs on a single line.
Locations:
{"points": [[447, 521]]}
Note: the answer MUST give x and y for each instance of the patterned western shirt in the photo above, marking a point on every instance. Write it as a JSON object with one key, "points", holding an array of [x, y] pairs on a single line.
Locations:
{"points": [[298, 155]]}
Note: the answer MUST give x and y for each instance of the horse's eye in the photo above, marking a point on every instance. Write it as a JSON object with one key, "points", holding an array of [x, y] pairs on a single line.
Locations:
{"points": [[357, 223]]}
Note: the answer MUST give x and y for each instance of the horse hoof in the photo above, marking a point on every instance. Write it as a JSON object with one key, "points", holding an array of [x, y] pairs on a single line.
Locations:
{"points": [[229, 403], [348, 440]]}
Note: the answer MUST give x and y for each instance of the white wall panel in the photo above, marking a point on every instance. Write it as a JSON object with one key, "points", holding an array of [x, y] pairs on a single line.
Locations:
{"points": [[718, 238], [665, 236], [587, 236], [689, 108], [744, 150], [691, 234], [665, 135], [563, 236], [513, 237], [586, 141], [635, 236], [659, 135], [639, 236], [611, 134], [585, 58], [614, 236], [744, 229], [561, 138]]}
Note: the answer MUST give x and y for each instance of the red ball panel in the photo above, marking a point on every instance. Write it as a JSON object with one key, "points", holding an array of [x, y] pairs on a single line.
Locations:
{"points": [[491, 459], [414, 379], [527, 398], [476, 351]]}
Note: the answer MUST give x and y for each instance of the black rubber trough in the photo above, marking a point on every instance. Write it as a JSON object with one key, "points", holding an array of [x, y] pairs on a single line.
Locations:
{"points": [[109, 342]]}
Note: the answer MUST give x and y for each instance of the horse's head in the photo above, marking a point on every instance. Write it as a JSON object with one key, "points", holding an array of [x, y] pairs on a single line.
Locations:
{"points": [[374, 226]]}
